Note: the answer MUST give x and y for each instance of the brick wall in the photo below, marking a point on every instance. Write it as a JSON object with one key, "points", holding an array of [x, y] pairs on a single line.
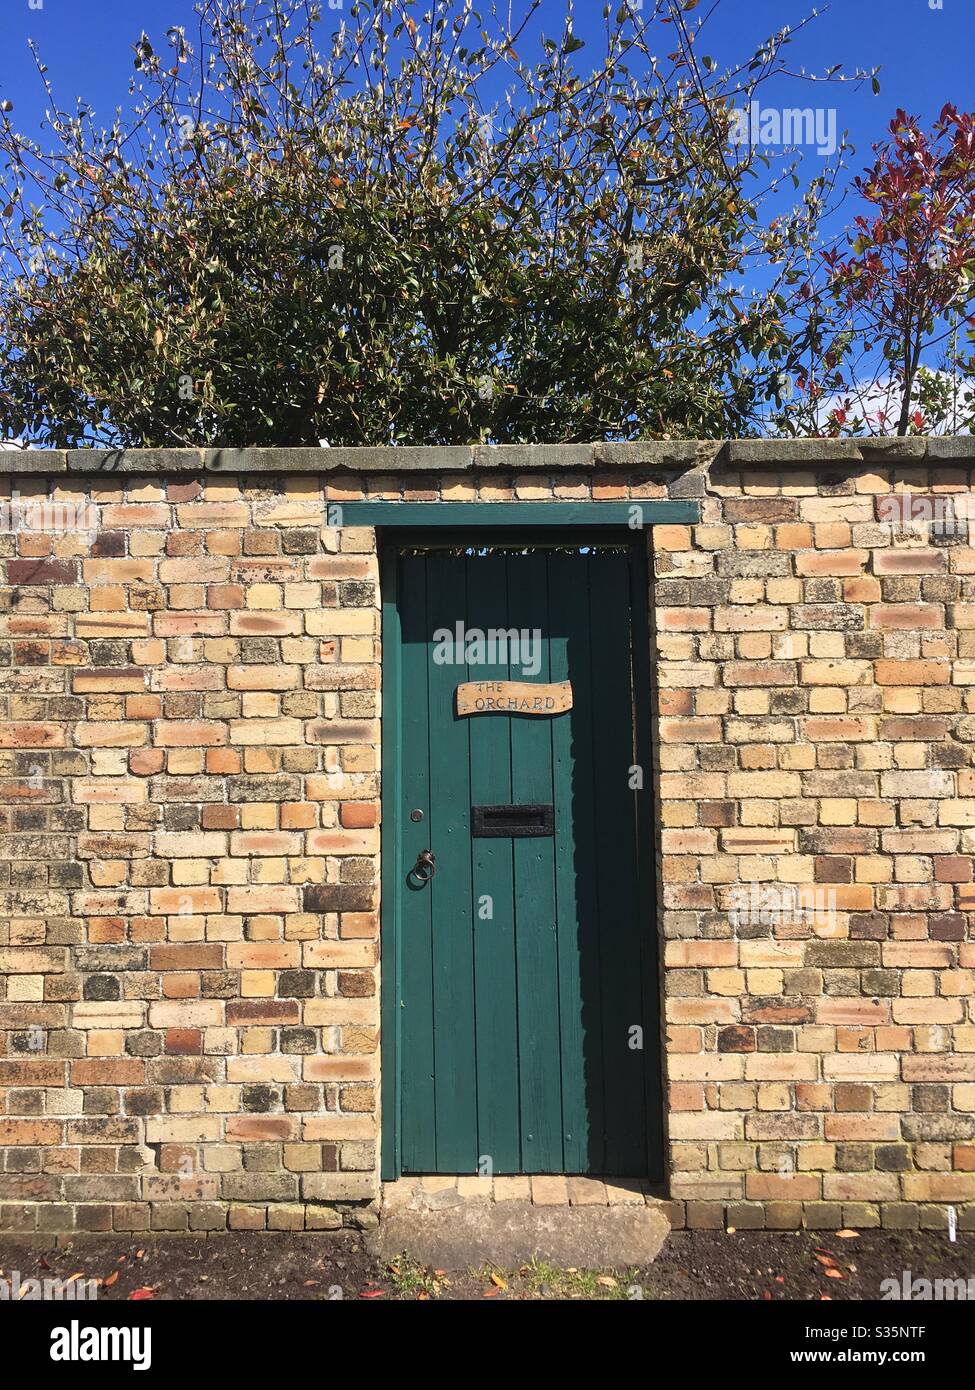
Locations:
{"points": [[188, 765], [815, 665], [189, 748]]}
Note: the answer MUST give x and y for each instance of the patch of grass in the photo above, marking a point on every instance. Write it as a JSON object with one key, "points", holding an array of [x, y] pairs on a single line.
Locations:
{"points": [[408, 1277], [541, 1279]]}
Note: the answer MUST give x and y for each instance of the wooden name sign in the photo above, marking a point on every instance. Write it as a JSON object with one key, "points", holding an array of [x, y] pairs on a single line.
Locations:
{"points": [[513, 697]]}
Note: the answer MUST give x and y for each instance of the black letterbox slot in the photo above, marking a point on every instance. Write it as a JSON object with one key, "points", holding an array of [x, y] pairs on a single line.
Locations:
{"points": [[515, 821]]}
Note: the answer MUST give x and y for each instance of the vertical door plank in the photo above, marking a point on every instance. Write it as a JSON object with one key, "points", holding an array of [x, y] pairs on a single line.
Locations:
{"points": [[450, 891], [496, 1011], [575, 869], [535, 925], [418, 1102], [616, 850]]}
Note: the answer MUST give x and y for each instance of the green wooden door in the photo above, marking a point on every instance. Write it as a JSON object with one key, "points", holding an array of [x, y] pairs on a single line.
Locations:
{"points": [[527, 1022]]}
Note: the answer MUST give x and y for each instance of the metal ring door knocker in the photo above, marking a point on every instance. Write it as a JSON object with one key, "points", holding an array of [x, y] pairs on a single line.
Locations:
{"points": [[425, 866]]}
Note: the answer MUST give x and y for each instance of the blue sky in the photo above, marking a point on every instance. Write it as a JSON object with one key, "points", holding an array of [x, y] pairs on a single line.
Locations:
{"points": [[927, 54]]}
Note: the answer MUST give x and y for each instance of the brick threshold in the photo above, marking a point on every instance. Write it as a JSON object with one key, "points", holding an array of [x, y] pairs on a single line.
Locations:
{"points": [[545, 1190]]}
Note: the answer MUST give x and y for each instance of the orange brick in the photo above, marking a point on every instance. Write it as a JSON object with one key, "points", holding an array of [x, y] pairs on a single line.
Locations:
{"points": [[912, 672]]}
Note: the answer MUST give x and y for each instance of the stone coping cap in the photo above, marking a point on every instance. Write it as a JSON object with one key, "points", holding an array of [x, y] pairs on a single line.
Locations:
{"points": [[675, 455]]}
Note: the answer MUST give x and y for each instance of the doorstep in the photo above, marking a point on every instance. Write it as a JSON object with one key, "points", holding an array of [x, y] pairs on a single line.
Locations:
{"points": [[462, 1222]]}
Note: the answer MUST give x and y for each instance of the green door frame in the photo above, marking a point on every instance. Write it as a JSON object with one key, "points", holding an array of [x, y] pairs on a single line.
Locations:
{"points": [[580, 523]]}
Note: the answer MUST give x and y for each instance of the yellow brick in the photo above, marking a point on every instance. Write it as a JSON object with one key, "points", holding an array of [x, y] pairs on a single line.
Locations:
{"points": [[256, 984]]}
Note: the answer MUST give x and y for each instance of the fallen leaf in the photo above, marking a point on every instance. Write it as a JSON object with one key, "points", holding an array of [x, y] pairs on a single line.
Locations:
{"points": [[497, 1281], [848, 1235], [607, 1281], [138, 1295], [112, 1278], [730, 1230], [372, 1293], [834, 1274], [490, 1292]]}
